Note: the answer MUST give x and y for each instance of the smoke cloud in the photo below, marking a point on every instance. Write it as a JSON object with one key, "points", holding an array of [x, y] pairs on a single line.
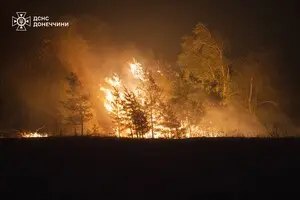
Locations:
{"points": [[234, 121], [93, 59]]}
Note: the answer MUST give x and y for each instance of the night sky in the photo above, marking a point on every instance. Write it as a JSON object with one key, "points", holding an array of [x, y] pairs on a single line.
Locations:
{"points": [[161, 24]]}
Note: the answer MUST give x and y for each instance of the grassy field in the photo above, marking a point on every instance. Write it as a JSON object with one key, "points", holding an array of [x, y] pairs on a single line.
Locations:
{"points": [[91, 164]]}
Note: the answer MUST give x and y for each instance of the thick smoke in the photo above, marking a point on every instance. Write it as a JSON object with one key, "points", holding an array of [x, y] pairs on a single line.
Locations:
{"points": [[94, 59], [234, 121]]}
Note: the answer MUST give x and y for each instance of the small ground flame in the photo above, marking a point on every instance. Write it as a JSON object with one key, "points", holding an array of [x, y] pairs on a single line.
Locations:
{"points": [[33, 135]]}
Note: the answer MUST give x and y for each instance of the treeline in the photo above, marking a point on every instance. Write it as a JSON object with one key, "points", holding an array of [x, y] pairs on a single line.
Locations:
{"points": [[174, 100]]}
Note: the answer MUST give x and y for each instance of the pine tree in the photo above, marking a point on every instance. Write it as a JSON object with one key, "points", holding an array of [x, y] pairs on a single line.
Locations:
{"points": [[170, 120], [135, 117], [116, 113], [188, 102], [140, 123], [153, 94], [77, 103]]}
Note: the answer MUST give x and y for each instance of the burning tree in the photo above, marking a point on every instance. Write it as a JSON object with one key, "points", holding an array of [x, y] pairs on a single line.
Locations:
{"points": [[77, 104], [203, 59], [114, 104], [116, 110], [188, 101], [135, 111], [118, 113], [153, 95], [135, 116], [170, 122]]}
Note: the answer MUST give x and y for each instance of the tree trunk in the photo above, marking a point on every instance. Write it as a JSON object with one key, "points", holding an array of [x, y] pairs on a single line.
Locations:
{"points": [[177, 133], [118, 123], [250, 95], [118, 129], [57, 129], [81, 128], [75, 131], [137, 133], [224, 83], [264, 102], [225, 79], [189, 124], [131, 133], [190, 128], [151, 121]]}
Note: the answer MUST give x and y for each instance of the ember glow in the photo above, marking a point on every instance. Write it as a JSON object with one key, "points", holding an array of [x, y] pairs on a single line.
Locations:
{"points": [[114, 108]]}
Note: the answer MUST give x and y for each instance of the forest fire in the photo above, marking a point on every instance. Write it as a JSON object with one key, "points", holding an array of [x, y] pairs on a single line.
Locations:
{"points": [[199, 96], [136, 112], [203, 89]]}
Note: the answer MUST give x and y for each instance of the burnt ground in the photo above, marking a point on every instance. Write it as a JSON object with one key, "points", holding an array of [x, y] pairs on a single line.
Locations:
{"points": [[93, 166]]}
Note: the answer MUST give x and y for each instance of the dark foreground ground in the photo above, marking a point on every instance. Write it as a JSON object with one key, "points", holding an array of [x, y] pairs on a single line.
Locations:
{"points": [[52, 167]]}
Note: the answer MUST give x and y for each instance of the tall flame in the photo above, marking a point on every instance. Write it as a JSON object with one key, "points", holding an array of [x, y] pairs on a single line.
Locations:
{"points": [[114, 81], [137, 70], [108, 99]]}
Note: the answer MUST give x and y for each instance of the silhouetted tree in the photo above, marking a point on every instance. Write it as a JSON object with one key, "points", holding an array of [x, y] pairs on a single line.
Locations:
{"points": [[135, 115], [170, 120], [188, 101], [77, 103], [117, 111], [153, 94]]}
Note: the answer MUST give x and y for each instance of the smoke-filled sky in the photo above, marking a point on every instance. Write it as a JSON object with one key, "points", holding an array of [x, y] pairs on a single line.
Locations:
{"points": [[159, 25]]}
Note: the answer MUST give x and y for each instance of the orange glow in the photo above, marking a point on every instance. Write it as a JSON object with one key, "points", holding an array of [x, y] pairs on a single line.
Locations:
{"points": [[137, 72]]}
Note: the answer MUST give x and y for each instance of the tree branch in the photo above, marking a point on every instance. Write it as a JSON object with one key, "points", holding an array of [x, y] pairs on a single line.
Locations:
{"points": [[264, 102], [37, 130], [234, 93]]}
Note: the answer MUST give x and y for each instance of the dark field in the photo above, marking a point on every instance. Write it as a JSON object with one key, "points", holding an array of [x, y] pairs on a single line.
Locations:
{"points": [[93, 166]]}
